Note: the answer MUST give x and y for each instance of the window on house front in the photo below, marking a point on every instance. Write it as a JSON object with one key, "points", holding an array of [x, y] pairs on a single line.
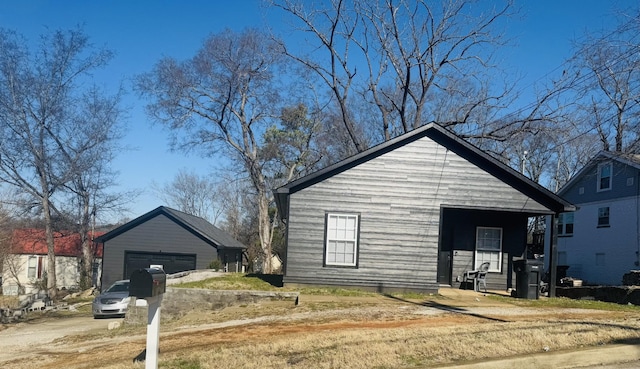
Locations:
{"points": [[603, 216], [489, 247], [341, 247], [565, 224], [35, 267], [604, 176]]}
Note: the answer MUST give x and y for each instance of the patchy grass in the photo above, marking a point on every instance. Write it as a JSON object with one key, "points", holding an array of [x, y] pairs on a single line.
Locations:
{"points": [[231, 281], [360, 346], [332, 291], [253, 282], [182, 364], [10, 302]]}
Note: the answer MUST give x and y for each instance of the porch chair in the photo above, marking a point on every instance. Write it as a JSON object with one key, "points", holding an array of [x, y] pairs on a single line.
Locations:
{"points": [[478, 276]]}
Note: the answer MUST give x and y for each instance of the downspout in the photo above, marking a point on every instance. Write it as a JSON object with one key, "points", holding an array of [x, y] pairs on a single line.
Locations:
{"points": [[553, 255]]}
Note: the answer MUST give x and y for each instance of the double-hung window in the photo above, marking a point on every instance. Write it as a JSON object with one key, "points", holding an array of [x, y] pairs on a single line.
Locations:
{"points": [[35, 267], [565, 224], [489, 247], [341, 248], [604, 176]]}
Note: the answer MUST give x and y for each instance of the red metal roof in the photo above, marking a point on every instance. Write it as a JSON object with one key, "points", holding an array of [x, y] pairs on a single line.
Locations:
{"points": [[32, 241]]}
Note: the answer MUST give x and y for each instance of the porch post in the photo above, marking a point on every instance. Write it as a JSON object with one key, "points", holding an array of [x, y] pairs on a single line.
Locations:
{"points": [[553, 255]]}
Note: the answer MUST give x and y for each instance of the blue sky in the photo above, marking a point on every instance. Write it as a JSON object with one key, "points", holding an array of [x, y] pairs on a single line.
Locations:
{"points": [[141, 32]]}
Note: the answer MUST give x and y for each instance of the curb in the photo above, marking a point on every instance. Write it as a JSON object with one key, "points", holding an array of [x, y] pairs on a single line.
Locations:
{"points": [[609, 354]]}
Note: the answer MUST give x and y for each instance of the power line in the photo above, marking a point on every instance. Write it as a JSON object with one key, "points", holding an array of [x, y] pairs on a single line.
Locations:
{"points": [[582, 78]]}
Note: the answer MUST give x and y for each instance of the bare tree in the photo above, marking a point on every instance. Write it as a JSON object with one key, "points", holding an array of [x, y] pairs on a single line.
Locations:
{"points": [[193, 194], [290, 146], [40, 120], [608, 87], [414, 61], [88, 189], [334, 29], [219, 102]]}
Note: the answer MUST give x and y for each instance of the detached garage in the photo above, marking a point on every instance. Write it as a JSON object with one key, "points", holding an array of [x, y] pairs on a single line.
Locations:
{"points": [[169, 238]]}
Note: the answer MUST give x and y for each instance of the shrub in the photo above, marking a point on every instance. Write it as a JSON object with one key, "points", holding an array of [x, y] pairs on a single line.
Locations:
{"points": [[215, 264]]}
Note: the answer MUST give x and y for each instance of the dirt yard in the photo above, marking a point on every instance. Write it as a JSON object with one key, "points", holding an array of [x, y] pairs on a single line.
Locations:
{"points": [[324, 332]]}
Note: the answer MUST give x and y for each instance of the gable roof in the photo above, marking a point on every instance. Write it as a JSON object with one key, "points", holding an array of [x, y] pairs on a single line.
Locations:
{"points": [[632, 160], [445, 138], [196, 225], [33, 241]]}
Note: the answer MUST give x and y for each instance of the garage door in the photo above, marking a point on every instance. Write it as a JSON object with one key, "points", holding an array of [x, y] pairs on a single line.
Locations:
{"points": [[171, 263]]}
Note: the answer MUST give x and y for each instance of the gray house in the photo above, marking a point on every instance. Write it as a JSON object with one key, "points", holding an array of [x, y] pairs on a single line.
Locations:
{"points": [[175, 240], [413, 213]]}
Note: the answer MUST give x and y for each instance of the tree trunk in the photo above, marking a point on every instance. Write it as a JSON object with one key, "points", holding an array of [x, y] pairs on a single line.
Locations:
{"points": [[86, 236], [264, 230], [51, 254]]}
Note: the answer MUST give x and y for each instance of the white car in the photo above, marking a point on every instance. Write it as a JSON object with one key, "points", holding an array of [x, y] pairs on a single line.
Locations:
{"points": [[112, 302]]}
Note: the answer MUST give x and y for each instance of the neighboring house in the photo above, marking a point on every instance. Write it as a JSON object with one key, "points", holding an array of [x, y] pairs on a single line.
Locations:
{"points": [[25, 267], [413, 213], [600, 241], [169, 238]]}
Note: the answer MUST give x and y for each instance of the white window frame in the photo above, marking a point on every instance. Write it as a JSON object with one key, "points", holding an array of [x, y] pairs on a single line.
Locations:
{"points": [[341, 234], [493, 256], [601, 167], [38, 267], [565, 219]]}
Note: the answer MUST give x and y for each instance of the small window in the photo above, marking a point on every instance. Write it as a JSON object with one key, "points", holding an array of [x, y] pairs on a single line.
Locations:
{"points": [[603, 217], [489, 247], [341, 247], [565, 224], [604, 176], [630, 181]]}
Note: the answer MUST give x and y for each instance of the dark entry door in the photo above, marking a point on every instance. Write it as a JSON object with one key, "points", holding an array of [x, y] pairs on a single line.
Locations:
{"points": [[444, 267]]}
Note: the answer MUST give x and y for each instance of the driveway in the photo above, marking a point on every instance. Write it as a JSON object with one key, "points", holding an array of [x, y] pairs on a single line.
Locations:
{"points": [[19, 340]]}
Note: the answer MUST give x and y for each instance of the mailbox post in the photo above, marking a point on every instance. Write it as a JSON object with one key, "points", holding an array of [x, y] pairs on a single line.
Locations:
{"points": [[150, 284]]}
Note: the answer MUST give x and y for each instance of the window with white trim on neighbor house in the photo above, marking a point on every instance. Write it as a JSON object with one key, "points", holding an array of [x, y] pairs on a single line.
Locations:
{"points": [[565, 224], [604, 176], [489, 247], [603, 216], [35, 267], [341, 247]]}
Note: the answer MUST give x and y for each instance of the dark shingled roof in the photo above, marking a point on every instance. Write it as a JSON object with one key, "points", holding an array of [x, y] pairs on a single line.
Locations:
{"points": [[198, 226]]}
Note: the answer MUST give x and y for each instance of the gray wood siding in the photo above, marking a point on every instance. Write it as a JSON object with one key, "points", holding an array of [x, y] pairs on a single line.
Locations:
{"points": [[399, 196], [459, 225], [158, 234]]}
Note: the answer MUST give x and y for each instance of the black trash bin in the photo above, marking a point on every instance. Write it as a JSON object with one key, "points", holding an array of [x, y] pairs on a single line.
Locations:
{"points": [[561, 272], [528, 275]]}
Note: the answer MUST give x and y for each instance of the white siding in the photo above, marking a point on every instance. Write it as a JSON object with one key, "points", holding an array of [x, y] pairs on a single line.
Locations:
{"points": [[619, 242]]}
